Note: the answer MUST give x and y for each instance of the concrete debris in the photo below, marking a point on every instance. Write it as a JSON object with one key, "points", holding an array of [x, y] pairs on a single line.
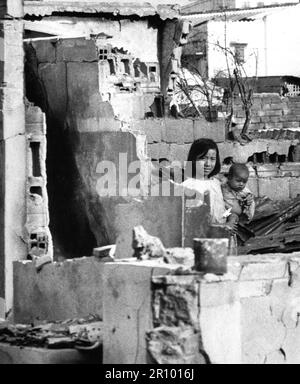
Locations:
{"points": [[274, 228], [83, 333], [182, 256], [175, 345], [145, 246], [41, 261], [105, 254]]}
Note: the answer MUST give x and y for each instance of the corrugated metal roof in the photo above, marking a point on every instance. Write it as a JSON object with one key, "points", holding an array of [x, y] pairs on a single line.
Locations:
{"points": [[233, 14], [47, 8]]}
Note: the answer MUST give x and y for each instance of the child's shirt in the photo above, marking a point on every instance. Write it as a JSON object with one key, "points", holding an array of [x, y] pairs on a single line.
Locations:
{"points": [[231, 198]]}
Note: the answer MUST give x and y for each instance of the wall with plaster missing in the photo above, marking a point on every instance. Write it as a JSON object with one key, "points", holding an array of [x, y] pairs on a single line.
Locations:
{"points": [[38, 239], [249, 315]]}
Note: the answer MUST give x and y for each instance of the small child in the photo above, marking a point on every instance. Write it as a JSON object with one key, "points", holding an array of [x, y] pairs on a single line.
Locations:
{"points": [[238, 198]]}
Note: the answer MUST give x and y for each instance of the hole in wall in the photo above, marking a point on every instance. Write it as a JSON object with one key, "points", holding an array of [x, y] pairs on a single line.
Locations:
{"points": [[36, 163], [36, 191], [69, 224]]}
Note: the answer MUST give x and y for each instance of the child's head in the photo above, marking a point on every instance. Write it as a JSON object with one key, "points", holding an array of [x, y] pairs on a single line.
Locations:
{"points": [[238, 177]]}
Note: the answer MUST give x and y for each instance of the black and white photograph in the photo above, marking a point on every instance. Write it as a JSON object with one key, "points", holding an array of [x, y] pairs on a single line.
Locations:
{"points": [[149, 185]]}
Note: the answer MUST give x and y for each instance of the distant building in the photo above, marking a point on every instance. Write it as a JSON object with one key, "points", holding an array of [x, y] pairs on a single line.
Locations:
{"points": [[264, 38]]}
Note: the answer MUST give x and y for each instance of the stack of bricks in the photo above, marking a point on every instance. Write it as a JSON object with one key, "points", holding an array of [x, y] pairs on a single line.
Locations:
{"points": [[39, 238], [270, 111]]}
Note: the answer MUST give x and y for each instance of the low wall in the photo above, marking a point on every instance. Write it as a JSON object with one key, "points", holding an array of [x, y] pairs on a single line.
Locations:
{"points": [[248, 316], [270, 111], [60, 291]]}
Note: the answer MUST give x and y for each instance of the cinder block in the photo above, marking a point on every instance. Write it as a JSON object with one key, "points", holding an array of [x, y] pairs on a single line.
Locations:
{"points": [[153, 151], [214, 130], [253, 185], [290, 170], [79, 50], [267, 170], [274, 189], [264, 271], [264, 119], [266, 107], [294, 187], [273, 113], [152, 128], [178, 131], [179, 152], [34, 115]]}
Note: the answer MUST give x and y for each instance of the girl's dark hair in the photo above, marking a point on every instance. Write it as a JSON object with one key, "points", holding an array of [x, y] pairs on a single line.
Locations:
{"points": [[199, 149]]}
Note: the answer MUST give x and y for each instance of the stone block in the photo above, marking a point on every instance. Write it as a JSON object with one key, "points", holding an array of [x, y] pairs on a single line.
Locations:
{"points": [[273, 189], [294, 187], [178, 131], [60, 291], [214, 130], [77, 49]]}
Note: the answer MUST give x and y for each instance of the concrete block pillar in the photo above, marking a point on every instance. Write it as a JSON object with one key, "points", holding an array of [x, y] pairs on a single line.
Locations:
{"points": [[12, 155]]}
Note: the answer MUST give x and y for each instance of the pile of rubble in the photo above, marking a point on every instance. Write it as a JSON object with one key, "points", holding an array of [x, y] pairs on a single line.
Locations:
{"points": [[83, 334], [275, 228]]}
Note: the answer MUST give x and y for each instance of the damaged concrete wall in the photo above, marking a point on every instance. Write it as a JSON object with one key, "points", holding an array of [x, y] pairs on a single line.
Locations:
{"points": [[250, 315], [13, 155], [38, 237], [59, 291]]}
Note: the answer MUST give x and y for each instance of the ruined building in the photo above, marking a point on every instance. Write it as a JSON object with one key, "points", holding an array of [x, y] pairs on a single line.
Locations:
{"points": [[89, 83]]}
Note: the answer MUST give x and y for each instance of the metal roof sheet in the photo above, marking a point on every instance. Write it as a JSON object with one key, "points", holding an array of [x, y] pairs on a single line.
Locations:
{"points": [[47, 8], [232, 14]]}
